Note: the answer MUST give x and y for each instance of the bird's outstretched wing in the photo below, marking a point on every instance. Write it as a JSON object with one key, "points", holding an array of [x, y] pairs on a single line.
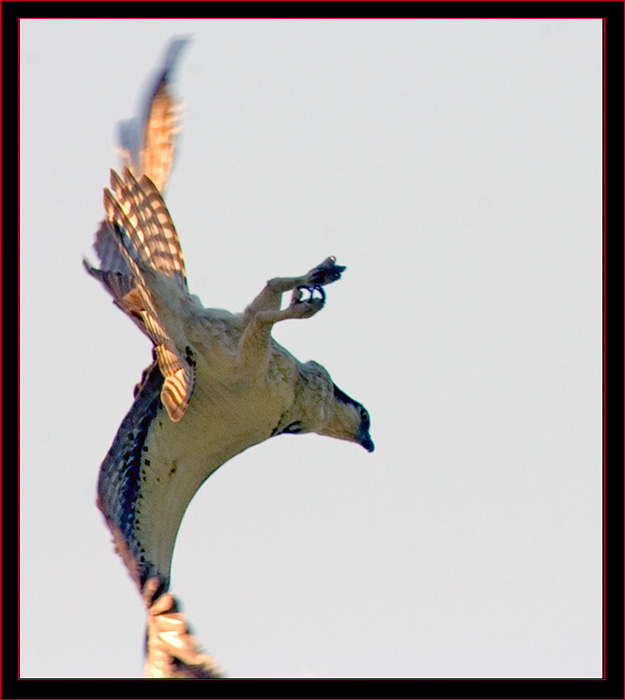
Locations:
{"points": [[147, 142], [137, 241]]}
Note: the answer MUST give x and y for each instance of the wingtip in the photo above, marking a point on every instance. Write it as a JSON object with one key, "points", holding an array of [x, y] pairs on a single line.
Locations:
{"points": [[93, 271]]}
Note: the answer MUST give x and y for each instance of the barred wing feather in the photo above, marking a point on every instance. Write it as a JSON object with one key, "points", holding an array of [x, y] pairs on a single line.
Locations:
{"points": [[147, 142], [147, 242]]}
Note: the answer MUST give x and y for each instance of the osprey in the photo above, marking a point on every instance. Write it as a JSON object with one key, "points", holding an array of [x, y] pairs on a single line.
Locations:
{"points": [[218, 384]]}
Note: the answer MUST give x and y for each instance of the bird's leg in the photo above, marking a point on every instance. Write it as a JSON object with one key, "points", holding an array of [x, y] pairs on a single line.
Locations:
{"points": [[271, 296], [266, 309]]}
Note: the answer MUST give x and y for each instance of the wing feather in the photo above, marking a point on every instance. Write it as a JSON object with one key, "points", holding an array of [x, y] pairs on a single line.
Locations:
{"points": [[147, 244], [147, 142], [171, 650]]}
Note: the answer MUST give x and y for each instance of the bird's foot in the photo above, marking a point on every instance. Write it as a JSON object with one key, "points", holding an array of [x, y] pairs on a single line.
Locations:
{"points": [[326, 273], [305, 308]]}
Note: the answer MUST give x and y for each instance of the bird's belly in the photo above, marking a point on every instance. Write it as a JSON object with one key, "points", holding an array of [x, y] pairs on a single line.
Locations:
{"points": [[178, 457]]}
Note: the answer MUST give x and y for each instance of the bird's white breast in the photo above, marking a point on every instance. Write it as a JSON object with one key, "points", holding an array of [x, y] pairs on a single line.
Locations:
{"points": [[222, 420]]}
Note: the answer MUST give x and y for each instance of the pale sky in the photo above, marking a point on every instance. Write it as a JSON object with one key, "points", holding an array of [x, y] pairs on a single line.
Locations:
{"points": [[454, 167]]}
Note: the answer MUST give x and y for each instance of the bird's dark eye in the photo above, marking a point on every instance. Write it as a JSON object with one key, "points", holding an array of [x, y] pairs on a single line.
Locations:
{"points": [[364, 416]]}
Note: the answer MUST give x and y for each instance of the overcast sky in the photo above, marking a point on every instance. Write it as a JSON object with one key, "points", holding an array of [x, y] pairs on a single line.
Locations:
{"points": [[454, 167]]}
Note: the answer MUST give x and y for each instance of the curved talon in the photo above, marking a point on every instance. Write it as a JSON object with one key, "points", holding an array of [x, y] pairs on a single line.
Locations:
{"points": [[317, 288], [311, 289]]}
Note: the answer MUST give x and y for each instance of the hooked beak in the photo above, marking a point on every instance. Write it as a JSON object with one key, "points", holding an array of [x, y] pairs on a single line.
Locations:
{"points": [[367, 442]]}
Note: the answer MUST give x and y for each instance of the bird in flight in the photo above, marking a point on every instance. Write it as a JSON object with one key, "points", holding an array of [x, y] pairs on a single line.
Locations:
{"points": [[218, 383]]}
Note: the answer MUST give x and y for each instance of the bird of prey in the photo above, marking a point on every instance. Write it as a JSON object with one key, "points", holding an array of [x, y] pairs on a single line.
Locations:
{"points": [[218, 383]]}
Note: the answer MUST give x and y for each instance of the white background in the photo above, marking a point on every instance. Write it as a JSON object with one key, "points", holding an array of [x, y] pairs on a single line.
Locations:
{"points": [[455, 168]]}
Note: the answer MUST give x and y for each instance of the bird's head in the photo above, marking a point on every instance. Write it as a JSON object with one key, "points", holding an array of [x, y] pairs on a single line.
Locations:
{"points": [[348, 420]]}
